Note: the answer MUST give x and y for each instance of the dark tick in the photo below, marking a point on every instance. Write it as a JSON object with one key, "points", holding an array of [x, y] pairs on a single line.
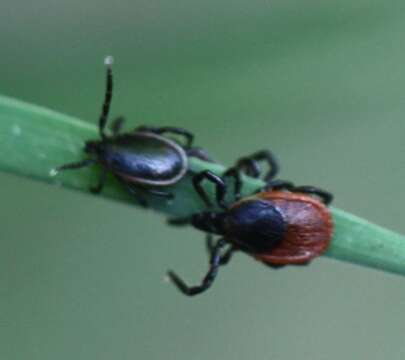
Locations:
{"points": [[280, 225], [141, 159]]}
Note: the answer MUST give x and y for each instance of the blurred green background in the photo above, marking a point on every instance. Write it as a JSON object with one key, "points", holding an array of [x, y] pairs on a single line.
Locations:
{"points": [[321, 83]]}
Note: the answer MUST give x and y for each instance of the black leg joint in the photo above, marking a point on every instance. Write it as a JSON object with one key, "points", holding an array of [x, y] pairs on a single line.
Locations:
{"points": [[188, 136], [220, 191], [235, 174], [325, 196], [215, 262]]}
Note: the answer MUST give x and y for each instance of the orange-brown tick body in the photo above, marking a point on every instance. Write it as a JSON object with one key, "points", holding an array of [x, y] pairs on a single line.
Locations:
{"points": [[280, 225], [308, 232]]}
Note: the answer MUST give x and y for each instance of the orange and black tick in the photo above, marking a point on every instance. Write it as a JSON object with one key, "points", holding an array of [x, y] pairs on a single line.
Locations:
{"points": [[142, 159], [281, 225]]}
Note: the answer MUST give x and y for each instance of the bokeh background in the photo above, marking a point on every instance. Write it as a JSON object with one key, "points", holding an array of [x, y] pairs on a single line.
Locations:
{"points": [[321, 83]]}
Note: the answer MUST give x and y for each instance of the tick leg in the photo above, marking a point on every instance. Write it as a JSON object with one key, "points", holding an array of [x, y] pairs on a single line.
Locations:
{"points": [[220, 187], [140, 199], [275, 266], [225, 257], [188, 136], [215, 262], [77, 165], [235, 173], [160, 193], [180, 221], [249, 164], [325, 196], [279, 185], [101, 182], [107, 97], [116, 125], [280, 266], [209, 243], [199, 153]]}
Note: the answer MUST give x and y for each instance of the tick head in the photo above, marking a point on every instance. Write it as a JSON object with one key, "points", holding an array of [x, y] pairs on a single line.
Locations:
{"points": [[208, 221], [93, 147]]}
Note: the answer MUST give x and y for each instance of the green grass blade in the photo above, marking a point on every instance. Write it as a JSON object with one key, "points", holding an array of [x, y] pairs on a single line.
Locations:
{"points": [[34, 140]]}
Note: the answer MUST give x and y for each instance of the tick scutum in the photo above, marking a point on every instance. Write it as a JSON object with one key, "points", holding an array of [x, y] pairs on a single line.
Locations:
{"points": [[255, 225], [145, 158]]}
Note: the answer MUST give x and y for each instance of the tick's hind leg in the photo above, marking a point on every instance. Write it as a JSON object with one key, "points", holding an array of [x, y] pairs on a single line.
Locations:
{"points": [[275, 266], [325, 196], [101, 182], [220, 189], [136, 191], [280, 266], [199, 153], [225, 256], [278, 185], [235, 174], [250, 164], [215, 262], [138, 197], [188, 136], [161, 193]]}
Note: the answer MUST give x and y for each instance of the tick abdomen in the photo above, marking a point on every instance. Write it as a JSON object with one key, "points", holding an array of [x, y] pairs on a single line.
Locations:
{"points": [[309, 228], [145, 158]]}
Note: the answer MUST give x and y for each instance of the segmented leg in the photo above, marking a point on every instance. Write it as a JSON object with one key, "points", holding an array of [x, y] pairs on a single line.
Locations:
{"points": [[179, 221], [139, 198], [117, 124], [199, 153], [250, 164], [209, 243], [275, 266], [76, 165], [280, 266], [225, 256], [101, 182], [107, 97], [154, 192], [160, 193], [215, 262], [325, 196], [278, 185], [235, 173], [188, 136], [220, 190]]}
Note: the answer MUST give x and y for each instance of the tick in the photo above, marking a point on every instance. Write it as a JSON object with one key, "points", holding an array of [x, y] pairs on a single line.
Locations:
{"points": [[281, 225], [141, 159]]}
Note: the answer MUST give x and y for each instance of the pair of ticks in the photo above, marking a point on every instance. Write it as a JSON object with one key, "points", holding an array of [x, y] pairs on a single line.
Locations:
{"points": [[281, 224]]}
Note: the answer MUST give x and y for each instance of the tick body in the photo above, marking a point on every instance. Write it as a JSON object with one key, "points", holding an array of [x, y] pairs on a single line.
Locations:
{"points": [[282, 228], [143, 159], [280, 225]]}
